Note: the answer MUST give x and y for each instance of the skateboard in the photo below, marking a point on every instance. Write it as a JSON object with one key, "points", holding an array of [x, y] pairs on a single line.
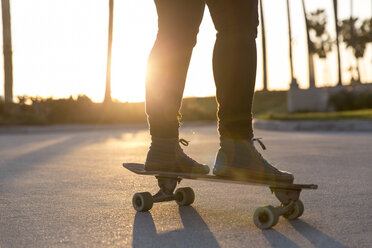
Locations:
{"points": [[291, 206]]}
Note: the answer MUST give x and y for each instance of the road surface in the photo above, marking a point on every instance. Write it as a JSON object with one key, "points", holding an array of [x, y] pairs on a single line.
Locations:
{"points": [[67, 188]]}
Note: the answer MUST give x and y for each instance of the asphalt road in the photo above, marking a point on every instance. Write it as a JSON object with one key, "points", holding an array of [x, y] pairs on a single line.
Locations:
{"points": [[62, 187]]}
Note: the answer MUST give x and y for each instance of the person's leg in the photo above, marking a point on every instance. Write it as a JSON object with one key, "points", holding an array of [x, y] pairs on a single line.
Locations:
{"points": [[234, 68], [178, 26], [234, 64]]}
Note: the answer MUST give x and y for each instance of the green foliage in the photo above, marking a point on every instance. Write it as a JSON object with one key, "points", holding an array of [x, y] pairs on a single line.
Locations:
{"points": [[366, 29], [196, 109], [269, 102], [320, 42], [365, 114], [351, 100], [199, 109], [356, 35], [40, 111], [1, 105]]}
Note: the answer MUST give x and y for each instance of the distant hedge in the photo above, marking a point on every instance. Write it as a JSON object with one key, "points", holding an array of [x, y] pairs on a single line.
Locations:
{"points": [[351, 100], [46, 111], [41, 111]]}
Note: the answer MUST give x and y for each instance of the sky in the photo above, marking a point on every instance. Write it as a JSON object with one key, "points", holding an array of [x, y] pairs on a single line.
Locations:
{"points": [[60, 47]]}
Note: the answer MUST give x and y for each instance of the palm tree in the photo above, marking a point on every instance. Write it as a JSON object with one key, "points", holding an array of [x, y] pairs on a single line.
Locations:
{"points": [[7, 46], [320, 41], [310, 51], [339, 83], [293, 79], [264, 66], [109, 48], [357, 38]]}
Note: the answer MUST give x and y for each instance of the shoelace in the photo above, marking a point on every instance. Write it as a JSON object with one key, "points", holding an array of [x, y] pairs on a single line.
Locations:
{"points": [[260, 142], [184, 142]]}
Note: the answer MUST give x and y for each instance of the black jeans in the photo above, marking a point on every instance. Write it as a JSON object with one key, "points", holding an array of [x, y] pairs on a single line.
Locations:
{"points": [[234, 63]]}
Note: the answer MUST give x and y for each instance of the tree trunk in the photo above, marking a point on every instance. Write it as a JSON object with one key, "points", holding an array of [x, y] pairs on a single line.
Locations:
{"points": [[339, 83], [264, 65], [353, 38], [109, 48], [310, 52], [293, 80], [7, 49], [358, 70]]}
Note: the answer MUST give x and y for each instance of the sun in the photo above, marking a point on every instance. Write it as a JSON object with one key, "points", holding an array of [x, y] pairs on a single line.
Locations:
{"points": [[128, 76]]}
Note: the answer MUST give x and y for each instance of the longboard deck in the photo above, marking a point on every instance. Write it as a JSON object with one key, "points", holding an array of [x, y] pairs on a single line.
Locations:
{"points": [[140, 169]]}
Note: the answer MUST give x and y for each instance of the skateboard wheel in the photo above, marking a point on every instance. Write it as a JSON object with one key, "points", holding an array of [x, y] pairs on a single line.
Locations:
{"points": [[142, 202], [184, 196], [265, 217], [296, 211]]}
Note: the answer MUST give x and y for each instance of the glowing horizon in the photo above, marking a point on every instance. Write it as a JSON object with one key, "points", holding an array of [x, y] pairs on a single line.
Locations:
{"points": [[59, 48]]}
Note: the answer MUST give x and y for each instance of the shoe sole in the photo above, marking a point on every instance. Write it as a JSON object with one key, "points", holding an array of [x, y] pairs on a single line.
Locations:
{"points": [[241, 174], [175, 169]]}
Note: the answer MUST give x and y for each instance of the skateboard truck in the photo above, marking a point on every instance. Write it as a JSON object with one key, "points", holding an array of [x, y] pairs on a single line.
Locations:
{"points": [[183, 196], [285, 196], [167, 186]]}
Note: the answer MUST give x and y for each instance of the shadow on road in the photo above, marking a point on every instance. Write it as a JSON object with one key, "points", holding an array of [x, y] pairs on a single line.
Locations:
{"points": [[315, 236], [276, 239], [25, 162], [194, 234], [22, 164]]}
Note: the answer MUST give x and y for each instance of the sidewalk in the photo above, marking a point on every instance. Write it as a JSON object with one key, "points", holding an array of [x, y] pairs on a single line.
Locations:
{"points": [[344, 125]]}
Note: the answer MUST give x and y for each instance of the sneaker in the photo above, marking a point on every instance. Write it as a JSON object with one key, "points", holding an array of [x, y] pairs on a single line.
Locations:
{"points": [[167, 155], [239, 159]]}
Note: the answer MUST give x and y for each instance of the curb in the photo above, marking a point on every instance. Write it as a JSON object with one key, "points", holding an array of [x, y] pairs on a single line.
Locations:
{"points": [[340, 126]]}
